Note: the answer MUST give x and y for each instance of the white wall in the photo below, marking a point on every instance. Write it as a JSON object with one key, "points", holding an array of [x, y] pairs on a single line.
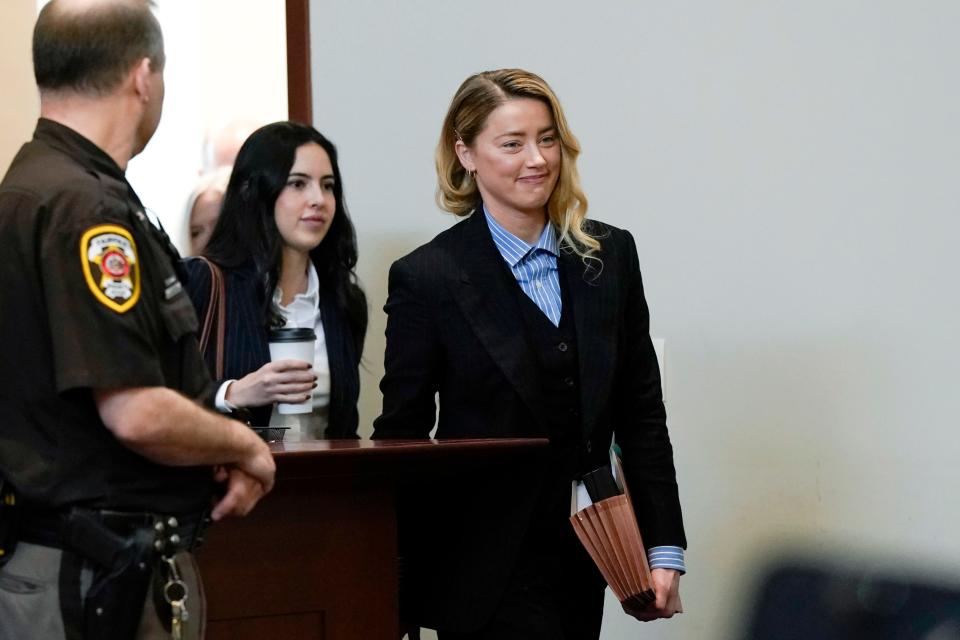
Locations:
{"points": [[789, 170], [226, 61]]}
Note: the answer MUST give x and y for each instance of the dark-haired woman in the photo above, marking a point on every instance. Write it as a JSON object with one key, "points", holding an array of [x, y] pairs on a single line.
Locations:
{"points": [[287, 250]]}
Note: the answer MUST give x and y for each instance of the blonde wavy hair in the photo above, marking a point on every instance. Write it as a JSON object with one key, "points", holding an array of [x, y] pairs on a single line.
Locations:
{"points": [[476, 98]]}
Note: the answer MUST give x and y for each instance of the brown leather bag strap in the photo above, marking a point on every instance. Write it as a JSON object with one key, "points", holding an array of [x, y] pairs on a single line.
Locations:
{"points": [[215, 317]]}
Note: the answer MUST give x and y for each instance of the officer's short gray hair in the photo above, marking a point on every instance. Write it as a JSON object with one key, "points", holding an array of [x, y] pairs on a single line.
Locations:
{"points": [[88, 47]]}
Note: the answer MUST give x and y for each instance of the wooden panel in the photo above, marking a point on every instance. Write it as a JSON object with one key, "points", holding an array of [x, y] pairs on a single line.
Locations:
{"points": [[309, 548], [317, 558], [307, 625]]}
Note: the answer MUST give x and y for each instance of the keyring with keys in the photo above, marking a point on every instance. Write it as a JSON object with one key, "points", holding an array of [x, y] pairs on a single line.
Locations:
{"points": [[175, 592]]}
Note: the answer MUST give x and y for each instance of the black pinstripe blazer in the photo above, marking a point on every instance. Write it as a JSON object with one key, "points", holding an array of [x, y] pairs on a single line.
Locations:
{"points": [[246, 348], [455, 328]]}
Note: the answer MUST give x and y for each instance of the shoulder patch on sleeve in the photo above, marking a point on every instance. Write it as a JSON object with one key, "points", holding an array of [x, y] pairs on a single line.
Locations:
{"points": [[111, 266]]}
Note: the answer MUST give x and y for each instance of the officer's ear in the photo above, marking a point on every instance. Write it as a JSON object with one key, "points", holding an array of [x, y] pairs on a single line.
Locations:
{"points": [[142, 75]]}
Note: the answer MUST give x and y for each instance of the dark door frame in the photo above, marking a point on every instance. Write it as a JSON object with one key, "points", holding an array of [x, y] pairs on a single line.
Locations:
{"points": [[299, 90]]}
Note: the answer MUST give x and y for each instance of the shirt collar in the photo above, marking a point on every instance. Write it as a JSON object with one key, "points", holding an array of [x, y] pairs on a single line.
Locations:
{"points": [[513, 249], [309, 298]]}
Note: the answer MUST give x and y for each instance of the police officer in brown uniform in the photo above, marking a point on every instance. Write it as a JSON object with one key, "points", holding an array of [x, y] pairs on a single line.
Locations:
{"points": [[108, 461]]}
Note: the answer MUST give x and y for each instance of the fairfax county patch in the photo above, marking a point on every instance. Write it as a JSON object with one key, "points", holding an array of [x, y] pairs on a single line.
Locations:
{"points": [[111, 267]]}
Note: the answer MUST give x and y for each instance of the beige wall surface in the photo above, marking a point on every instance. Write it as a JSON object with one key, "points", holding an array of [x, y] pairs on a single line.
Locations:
{"points": [[21, 104]]}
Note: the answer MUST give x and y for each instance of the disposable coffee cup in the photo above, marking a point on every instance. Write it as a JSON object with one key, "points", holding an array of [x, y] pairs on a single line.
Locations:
{"points": [[293, 344]]}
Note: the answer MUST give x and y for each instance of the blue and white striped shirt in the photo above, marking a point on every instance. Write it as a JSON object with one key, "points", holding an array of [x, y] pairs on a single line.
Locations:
{"points": [[533, 265], [535, 268]]}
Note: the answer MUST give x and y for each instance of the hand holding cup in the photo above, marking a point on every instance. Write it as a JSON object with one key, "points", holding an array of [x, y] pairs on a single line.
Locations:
{"points": [[286, 381], [296, 344]]}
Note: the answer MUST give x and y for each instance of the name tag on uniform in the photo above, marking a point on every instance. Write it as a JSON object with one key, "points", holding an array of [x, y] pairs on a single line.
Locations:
{"points": [[173, 287]]}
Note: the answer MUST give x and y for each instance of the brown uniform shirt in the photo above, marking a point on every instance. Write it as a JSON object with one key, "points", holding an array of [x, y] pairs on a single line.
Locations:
{"points": [[89, 298]]}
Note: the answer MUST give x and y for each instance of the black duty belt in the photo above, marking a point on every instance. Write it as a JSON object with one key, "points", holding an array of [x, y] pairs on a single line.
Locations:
{"points": [[69, 528]]}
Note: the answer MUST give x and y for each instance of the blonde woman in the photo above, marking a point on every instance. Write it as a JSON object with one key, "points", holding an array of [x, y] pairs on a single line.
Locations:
{"points": [[524, 319]]}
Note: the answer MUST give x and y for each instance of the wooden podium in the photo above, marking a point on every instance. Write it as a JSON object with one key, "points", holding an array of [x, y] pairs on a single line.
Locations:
{"points": [[317, 558]]}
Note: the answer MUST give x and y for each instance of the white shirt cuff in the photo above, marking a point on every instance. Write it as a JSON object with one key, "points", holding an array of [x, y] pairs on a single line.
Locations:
{"points": [[220, 401]]}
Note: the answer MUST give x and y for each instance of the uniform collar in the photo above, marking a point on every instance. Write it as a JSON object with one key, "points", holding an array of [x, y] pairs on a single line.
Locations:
{"points": [[76, 146]]}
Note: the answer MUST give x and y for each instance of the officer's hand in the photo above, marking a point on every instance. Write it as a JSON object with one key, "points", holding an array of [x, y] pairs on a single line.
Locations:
{"points": [[258, 462], [281, 381], [243, 492], [666, 586]]}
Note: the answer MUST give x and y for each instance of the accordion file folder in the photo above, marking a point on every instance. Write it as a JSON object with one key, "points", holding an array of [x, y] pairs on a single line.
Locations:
{"points": [[603, 519]]}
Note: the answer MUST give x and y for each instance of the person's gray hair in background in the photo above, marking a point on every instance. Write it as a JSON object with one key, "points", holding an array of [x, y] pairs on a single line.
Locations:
{"points": [[203, 209]]}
